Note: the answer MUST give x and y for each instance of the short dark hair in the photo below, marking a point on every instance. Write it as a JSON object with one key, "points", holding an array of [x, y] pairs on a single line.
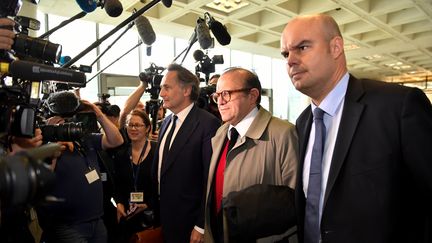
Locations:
{"points": [[251, 80], [186, 77], [144, 117]]}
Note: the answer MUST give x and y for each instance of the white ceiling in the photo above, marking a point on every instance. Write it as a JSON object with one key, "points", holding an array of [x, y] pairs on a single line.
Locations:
{"points": [[394, 36]]}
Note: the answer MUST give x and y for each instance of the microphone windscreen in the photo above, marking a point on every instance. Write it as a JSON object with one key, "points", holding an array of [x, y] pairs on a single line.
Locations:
{"points": [[87, 5], [145, 30], [63, 60], [113, 8], [220, 32], [203, 34], [63, 103], [198, 55], [167, 3]]}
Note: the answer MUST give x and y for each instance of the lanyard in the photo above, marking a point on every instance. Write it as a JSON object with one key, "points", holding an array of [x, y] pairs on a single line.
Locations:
{"points": [[135, 174]]}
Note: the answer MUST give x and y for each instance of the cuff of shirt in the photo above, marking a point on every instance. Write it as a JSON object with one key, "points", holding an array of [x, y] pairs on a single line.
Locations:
{"points": [[201, 231]]}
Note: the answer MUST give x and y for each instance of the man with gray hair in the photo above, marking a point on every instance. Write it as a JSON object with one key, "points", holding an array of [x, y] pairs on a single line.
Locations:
{"points": [[183, 156]]}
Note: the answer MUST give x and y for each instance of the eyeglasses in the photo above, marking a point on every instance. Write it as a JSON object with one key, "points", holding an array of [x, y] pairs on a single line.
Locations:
{"points": [[226, 94], [135, 126]]}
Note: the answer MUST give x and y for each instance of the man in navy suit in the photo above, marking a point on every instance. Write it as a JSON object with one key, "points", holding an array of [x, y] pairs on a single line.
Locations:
{"points": [[181, 170], [376, 163]]}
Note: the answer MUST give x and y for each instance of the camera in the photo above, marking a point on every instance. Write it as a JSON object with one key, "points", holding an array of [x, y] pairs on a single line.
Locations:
{"points": [[106, 107], [24, 46], [153, 77], [206, 64], [77, 122], [24, 177]]}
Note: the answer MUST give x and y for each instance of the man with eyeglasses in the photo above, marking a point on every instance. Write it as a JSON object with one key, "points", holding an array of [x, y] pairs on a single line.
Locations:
{"points": [[182, 157], [251, 148]]}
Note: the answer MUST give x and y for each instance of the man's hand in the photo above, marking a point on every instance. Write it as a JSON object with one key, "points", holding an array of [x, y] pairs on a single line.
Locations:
{"points": [[120, 211], [93, 107], [27, 143], [6, 33], [196, 237]]}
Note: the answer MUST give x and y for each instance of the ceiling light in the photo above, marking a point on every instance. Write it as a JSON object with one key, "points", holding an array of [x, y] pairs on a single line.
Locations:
{"points": [[227, 6]]}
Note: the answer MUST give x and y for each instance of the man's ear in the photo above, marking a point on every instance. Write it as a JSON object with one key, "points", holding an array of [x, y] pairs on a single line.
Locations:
{"points": [[254, 93], [187, 90], [337, 46]]}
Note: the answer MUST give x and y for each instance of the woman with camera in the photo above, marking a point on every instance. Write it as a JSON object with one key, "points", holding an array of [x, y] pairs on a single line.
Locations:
{"points": [[133, 162]]}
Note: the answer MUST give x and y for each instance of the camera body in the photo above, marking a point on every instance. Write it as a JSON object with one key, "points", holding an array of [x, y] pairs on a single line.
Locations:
{"points": [[153, 77]]}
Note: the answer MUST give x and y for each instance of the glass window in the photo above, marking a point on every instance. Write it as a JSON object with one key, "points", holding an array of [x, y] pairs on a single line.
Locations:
{"points": [[262, 67], [290, 102], [74, 46], [121, 63], [241, 59], [162, 52]]}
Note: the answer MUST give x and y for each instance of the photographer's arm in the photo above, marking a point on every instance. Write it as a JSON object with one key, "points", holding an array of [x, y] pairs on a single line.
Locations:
{"points": [[6, 33], [131, 102], [111, 137]]}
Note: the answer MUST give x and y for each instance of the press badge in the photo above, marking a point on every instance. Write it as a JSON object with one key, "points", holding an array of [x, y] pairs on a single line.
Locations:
{"points": [[136, 197], [92, 176]]}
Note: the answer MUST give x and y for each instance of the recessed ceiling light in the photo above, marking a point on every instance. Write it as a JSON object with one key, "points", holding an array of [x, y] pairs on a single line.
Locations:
{"points": [[227, 6]]}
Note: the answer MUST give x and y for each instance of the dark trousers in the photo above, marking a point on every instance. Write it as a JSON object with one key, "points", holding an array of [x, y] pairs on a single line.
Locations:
{"points": [[86, 232]]}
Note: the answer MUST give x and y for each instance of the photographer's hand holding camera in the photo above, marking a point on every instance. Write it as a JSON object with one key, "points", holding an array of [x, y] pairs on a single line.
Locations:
{"points": [[132, 102], [6, 33], [78, 189]]}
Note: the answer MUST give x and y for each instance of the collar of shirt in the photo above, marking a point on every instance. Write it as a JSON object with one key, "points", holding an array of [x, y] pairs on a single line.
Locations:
{"points": [[333, 100], [244, 124], [181, 116]]}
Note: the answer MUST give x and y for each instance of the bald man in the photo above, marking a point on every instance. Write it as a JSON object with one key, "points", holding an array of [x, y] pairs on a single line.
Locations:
{"points": [[365, 170]]}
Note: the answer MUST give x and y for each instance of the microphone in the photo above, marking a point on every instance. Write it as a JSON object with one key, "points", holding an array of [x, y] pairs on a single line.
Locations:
{"points": [[113, 7], [203, 34], [37, 72], [64, 59], [198, 55], [167, 3], [145, 31], [87, 5], [63, 103], [218, 29]]}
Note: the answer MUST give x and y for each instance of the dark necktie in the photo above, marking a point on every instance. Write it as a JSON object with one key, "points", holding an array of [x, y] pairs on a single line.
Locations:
{"points": [[168, 138], [312, 224], [221, 168]]}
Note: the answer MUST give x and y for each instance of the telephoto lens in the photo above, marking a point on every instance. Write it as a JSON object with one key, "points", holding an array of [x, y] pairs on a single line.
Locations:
{"points": [[70, 131]]}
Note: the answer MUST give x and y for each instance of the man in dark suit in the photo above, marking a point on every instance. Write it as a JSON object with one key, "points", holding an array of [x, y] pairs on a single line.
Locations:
{"points": [[183, 157], [365, 171]]}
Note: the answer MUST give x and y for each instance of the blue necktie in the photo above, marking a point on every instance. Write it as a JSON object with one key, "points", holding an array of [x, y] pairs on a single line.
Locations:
{"points": [[312, 224]]}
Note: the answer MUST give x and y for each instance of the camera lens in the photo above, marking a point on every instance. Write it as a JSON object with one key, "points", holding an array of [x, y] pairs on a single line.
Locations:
{"points": [[37, 48], [62, 132]]}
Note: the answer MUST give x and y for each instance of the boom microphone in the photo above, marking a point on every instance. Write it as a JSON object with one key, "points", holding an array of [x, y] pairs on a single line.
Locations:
{"points": [[113, 7], [35, 71], [203, 34], [167, 3], [198, 55], [87, 5], [218, 29], [145, 31]]}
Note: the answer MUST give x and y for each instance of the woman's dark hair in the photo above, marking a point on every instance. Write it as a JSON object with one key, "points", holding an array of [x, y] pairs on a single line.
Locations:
{"points": [[144, 117]]}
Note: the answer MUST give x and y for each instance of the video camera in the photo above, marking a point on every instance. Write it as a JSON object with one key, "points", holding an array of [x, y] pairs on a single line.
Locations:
{"points": [[153, 77], [24, 177], [106, 107], [206, 64], [29, 63], [77, 123]]}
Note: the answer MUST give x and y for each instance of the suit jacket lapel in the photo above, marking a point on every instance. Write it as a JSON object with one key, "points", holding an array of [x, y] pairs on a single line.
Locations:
{"points": [[183, 134], [351, 114]]}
